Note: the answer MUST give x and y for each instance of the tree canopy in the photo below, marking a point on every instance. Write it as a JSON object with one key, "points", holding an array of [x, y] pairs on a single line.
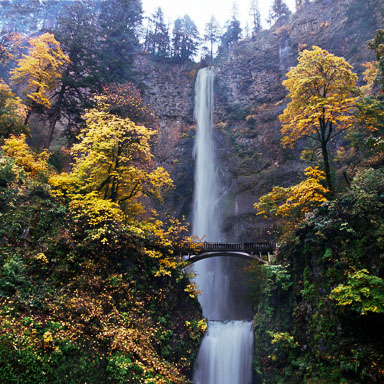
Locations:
{"points": [[322, 89], [40, 71], [113, 159]]}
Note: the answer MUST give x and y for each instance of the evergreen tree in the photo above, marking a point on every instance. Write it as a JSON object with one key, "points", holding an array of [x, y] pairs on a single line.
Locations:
{"points": [[255, 13], [377, 45], [177, 37], [76, 30], [185, 39], [232, 33], [157, 39], [279, 9], [119, 24], [212, 33]]}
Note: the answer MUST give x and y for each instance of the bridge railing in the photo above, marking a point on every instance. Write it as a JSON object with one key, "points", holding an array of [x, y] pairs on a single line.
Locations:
{"points": [[247, 247]]}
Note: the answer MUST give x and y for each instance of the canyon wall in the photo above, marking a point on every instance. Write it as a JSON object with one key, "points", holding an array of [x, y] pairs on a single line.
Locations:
{"points": [[249, 98]]}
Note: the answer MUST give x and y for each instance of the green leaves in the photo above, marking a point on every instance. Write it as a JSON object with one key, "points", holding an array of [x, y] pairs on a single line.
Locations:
{"points": [[363, 293]]}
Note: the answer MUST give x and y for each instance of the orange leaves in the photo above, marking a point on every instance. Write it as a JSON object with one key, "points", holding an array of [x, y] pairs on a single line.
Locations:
{"points": [[40, 71]]}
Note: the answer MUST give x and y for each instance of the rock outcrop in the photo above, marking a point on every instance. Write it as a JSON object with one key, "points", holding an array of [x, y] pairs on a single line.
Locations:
{"points": [[169, 89]]}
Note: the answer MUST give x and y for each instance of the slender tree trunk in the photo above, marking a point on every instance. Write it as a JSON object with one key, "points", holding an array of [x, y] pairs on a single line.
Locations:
{"points": [[28, 116], [327, 168], [51, 129], [54, 118], [324, 151]]}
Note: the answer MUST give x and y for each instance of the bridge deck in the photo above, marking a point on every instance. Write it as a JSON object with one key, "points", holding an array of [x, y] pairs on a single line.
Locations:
{"points": [[246, 247], [206, 250]]}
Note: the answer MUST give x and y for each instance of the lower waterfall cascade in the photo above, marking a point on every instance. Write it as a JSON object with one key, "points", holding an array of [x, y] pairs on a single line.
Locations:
{"points": [[225, 355]]}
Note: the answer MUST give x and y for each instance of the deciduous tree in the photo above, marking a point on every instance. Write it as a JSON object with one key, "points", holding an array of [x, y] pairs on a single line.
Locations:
{"points": [[113, 159], [295, 200], [40, 71], [322, 91], [12, 113], [125, 100]]}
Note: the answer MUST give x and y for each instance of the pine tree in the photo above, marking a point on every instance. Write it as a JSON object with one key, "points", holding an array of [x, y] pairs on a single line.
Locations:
{"points": [[75, 30], [119, 24], [212, 33], [232, 33], [157, 39], [255, 13], [279, 9], [185, 39]]}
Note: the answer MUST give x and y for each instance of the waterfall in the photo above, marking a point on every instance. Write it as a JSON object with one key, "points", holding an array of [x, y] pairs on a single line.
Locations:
{"points": [[225, 355]]}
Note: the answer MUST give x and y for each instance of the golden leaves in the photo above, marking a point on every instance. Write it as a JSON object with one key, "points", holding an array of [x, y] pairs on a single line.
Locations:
{"points": [[18, 149], [114, 160], [40, 71], [321, 88], [299, 199]]}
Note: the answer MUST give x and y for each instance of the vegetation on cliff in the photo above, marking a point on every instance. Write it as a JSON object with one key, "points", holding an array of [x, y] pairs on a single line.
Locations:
{"points": [[321, 302], [90, 288]]}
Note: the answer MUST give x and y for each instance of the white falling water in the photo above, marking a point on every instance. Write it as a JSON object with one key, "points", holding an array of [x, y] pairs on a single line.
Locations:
{"points": [[225, 354], [206, 220]]}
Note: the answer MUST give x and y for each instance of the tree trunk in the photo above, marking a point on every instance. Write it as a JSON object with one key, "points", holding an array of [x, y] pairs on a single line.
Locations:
{"points": [[324, 151], [54, 118], [51, 129], [28, 116]]}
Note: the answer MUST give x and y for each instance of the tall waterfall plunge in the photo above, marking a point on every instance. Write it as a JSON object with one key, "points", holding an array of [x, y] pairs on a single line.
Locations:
{"points": [[225, 354]]}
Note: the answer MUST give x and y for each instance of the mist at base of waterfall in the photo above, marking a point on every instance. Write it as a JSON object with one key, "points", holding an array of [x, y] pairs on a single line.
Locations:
{"points": [[225, 355]]}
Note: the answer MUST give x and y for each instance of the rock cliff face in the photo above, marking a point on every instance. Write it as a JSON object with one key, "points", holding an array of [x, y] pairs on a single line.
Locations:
{"points": [[249, 98], [169, 89]]}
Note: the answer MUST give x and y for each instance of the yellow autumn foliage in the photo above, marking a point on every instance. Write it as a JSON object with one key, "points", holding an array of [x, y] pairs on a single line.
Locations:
{"points": [[12, 112], [323, 93], [113, 159], [299, 199], [369, 76], [40, 71], [321, 90], [33, 163]]}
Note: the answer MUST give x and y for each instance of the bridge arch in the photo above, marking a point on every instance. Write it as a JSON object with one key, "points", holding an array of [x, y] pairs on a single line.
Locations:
{"points": [[250, 251], [238, 254]]}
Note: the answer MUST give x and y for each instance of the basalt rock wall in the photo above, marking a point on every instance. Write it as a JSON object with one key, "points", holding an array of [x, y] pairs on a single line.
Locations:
{"points": [[249, 98], [169, 89]]}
